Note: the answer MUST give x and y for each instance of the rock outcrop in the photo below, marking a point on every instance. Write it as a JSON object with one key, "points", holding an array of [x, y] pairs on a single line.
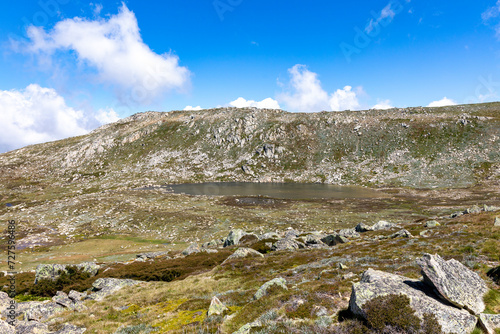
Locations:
{"points": [[216, 307], [490, 322], [243, 252], [104, 287], [262, 291], [422, 299], [455, 282], [52, 271]]}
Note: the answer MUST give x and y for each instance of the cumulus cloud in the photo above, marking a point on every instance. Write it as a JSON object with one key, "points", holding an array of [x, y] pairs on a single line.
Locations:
{"points": [[383, 104], [37, 115], [442, 103], [308, 95], [115, 50], [268, 103], [193, 108]]}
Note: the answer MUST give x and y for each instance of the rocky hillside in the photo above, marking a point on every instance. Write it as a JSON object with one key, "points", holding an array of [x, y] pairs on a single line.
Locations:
{"points": [[412, 147]]}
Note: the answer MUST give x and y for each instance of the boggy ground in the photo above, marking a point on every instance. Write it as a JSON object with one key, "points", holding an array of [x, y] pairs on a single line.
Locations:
{"points": [[156, 221]]}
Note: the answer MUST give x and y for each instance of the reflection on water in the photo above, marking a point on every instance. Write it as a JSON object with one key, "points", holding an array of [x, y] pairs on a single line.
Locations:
{"points": [[274, 190]]}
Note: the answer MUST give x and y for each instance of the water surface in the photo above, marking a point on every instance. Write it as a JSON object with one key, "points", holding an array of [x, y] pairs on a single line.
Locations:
{"points": [[275, 190]]}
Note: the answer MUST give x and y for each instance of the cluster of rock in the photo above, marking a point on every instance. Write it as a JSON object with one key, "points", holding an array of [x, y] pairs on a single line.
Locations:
{"points": [[449, 290], [35, 314], [292, 239]]}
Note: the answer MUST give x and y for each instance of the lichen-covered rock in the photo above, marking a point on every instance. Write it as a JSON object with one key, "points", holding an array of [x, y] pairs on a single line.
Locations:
{"points": [[64, 300], [455, 282], [245, 329], [401, 234], [52, 271], [41, 311], [5, 328], [287, 244], [291, 234], [76, 296], [216, 307], [279, 281], [348, 233], [234, 237], [152, 255], [243, 252], [313, 239], [104, 287], [497, 222], [382, 225], [362, 227], [192, 249], [423, 300], [334, 239], [269, 235], [490, 322], [431, 224], [4, 301], [31, 327]]}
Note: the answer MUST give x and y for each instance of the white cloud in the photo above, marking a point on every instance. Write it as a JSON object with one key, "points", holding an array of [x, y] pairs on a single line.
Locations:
{"points": [[491, 12], [386, 13], [308, 95], [383, 104], [268, 103], [115, 49], [36, 115], [106, 116], [193, 108], [442, 103]]}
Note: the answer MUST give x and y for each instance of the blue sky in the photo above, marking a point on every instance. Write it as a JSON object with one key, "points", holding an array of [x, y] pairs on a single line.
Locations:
{"points": [[68, 66]]}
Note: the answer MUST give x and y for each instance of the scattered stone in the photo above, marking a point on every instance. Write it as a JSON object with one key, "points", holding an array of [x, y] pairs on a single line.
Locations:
{"points": [[319, 311], [474, 209], [431, 224], [382, 225], [151, 255], [52, 271], [497, 221], [192, 249], [280, 282], [104, 287], [490, 322], [401, 234], [287, 244], [245, 329], [456, 214], [334, 239], [243, 252], [423, 300], [70, 329], [216, 307], [269, 235], [455, 282], [349, 233], [362, 227], [76, 296], [490, 208], [424, 233], [313, 239], [234, 237]]}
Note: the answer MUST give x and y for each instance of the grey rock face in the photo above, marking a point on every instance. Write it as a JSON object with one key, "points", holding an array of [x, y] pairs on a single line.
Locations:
{"points": [[401, 234], [382, 225], [104, 287], [334, 239], [269, 235], [362, 227], [31, 327], [313, 239], [51, 271], [192, 249], [4, 301], [490, 322], [423, 300], [216, 307], [5, 328], [41, 311], [64, 300], [234, 237], [281, 282], [243, 252], [291, 234], [490, 208], [455, 282], [287, 244], [431, 224], [349, 233]]}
